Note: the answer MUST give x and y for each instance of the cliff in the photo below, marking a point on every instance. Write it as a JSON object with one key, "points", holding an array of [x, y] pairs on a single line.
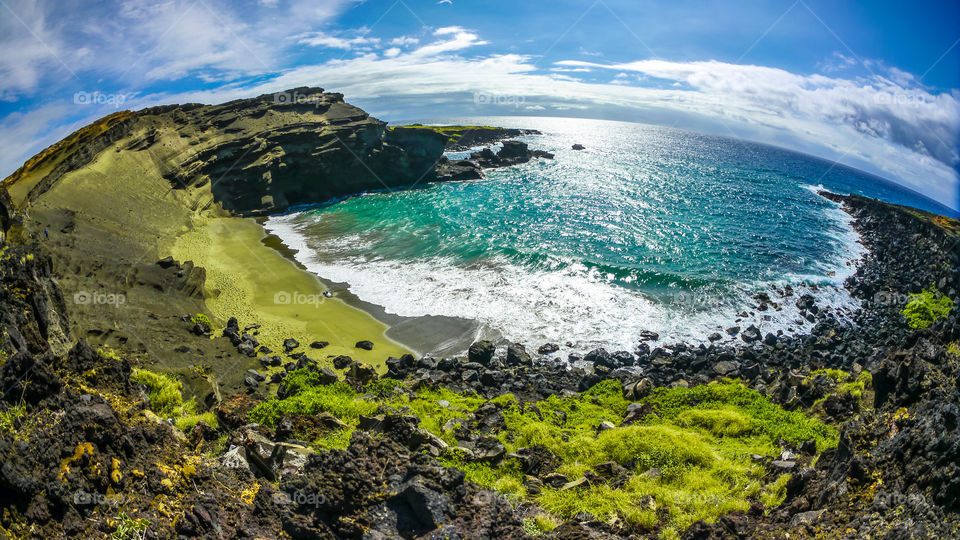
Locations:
{"points": [[249, 156]]}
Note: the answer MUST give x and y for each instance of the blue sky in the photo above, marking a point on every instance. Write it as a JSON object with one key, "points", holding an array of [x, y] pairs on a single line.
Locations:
{"points": [[872, 85]]}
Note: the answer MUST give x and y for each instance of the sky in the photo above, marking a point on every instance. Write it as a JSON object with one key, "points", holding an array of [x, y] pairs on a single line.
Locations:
{"points": [[873, 85]]}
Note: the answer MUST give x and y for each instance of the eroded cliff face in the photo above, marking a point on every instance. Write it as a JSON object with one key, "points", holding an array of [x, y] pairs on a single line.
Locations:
{"points": [[265, 154]]}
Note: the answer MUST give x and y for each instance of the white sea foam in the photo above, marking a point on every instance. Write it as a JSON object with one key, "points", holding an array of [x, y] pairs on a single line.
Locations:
{"points": [[572, 304]]}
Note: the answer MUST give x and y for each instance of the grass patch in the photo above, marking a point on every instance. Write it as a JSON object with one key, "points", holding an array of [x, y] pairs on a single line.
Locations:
{"points": [[924, 308], [307, 396], [166, 399]]}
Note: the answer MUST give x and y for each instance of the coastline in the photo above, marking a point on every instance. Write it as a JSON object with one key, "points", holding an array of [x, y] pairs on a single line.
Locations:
{"points": [[244, 278], [428, 334], [453, 334]]}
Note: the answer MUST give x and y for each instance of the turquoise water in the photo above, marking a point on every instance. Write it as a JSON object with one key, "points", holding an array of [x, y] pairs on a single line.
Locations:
{"points": [[649, 228]]}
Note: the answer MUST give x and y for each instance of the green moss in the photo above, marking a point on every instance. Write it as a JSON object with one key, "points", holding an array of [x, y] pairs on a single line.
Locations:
{"points": [[188, 421], [307, 396], [837, 375], [727, 421], [774, 494], [690, 460], [164, 391], [857, 387], [384, 387], [539, 524], [954, 348], [333, 440], [771, 421], [166, 399], [924, 308]]}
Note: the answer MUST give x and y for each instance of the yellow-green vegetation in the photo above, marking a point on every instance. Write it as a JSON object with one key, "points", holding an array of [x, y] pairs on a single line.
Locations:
{"points": [[924, 308], [689, 458], [166, 399], [129, 528], [12, 419], [201, 318], [452, 132], [954, 348], [257, 285], [847, 383], [539, 524]]}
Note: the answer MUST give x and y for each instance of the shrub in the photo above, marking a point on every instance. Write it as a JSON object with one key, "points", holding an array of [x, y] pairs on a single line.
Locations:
{"points": [[201, 318], [924, 308]]}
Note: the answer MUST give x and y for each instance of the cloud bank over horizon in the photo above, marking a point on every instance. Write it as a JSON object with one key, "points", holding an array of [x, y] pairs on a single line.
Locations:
{"points": [[861, 113]]}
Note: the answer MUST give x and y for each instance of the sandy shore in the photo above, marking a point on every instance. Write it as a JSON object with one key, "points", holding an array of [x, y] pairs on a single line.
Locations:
{"points": [[258, 285]]}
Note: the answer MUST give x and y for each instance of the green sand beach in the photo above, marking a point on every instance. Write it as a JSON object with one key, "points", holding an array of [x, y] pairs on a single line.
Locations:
{"points": [[256, 284]]}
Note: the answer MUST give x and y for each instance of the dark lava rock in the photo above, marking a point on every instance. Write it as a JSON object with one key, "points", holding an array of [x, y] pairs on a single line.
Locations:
{"points": [[751, 334], [365, 345], [319, 344], [481, 352], [548, 348], [647, 335], [600, 357], [290, 344], [423, 499], [517, 355], [578, 146]]}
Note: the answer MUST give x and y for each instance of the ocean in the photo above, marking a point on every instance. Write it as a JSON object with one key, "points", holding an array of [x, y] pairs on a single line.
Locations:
{"points": [[647, 229]]}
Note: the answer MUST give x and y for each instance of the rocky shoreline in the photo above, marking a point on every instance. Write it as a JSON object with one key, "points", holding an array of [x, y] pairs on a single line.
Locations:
{"points": [[849, 431]]}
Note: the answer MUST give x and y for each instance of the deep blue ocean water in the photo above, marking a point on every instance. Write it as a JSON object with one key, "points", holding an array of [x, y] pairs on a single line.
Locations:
{"points": [[649, 228]]}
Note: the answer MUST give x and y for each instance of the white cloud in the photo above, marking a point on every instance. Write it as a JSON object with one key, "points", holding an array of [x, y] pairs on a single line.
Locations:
{"points": [[462, 39], [30, 47], [139, 41], [321, 39], [404, 41]]}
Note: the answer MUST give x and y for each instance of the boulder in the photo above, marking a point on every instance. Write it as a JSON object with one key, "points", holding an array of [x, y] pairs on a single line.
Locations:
{"points": [[481, 352]]}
